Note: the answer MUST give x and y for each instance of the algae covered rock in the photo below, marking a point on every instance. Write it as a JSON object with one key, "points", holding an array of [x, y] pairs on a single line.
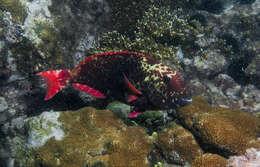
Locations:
{"points": [[221, 130], [94, 138], [178, 145], [16, 8], [211, 65]]}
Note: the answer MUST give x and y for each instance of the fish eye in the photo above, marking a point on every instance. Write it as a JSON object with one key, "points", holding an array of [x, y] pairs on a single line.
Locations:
{"points": [[166, 79]]}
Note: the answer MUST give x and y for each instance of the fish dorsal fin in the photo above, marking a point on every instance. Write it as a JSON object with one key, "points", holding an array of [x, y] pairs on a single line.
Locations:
{"points": [[84, 88], [131, 87]]}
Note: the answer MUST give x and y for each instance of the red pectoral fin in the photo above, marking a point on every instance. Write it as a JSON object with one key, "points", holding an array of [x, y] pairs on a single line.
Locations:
{"points": [[131, 87], [84, 88]]}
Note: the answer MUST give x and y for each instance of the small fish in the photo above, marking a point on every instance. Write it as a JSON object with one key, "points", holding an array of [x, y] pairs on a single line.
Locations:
{"points": [[130, 77]]}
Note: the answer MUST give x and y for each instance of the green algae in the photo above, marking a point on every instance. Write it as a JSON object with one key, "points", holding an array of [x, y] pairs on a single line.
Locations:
{"points": [[151, 117], [16, 9]]}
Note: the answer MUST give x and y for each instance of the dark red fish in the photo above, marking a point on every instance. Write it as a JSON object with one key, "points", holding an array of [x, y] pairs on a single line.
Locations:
{"points": [[125, 76]]}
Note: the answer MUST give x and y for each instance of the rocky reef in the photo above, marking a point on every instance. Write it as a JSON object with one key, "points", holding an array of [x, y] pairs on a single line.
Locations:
{"points": [[214, 44], [205, 136]]}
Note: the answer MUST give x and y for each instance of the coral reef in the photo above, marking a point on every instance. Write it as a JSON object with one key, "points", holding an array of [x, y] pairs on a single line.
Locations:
{"points": [[126, 14], [49, 33], [209, 160], [178, 146], [214, 43], [158, 34], [221, 130], [94, 137]]}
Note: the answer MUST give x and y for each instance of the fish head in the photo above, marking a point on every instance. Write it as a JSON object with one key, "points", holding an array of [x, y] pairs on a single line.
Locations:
{"points": [[176, 92], [166, 87]]}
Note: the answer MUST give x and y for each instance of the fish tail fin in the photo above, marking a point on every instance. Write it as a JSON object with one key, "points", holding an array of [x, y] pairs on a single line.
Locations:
{"points": [[56, 80]]}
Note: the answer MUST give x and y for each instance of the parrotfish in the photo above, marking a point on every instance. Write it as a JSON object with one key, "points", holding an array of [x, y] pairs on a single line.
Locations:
{"points": [[129, 77]]}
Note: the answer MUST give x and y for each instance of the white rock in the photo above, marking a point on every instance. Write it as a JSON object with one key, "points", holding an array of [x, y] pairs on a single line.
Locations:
{"points": [[43, 127], [37, 12]]}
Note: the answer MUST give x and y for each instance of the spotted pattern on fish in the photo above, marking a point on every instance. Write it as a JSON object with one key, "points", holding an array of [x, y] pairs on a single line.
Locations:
{"points": [[106, 73]]}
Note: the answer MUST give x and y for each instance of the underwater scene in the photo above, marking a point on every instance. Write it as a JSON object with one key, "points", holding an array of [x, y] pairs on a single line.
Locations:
{"points": [[129, 83]]}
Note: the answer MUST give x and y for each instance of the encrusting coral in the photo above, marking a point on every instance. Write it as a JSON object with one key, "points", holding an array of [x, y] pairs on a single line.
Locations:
{"points": [[96, 137], [209, 160], [221, 130], [178, 145]]}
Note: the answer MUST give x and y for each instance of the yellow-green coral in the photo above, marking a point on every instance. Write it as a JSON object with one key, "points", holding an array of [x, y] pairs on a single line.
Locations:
{"points": [[227, 130], [126, 13], [178, 144], [16, 9], [96, 136], [159, 34], [209, 160]]}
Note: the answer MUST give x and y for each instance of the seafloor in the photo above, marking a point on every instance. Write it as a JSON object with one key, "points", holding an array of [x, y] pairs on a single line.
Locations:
{"points": [[213, 44]]}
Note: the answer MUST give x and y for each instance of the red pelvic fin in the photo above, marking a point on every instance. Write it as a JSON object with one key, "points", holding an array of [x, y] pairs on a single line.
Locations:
{"points": [[56, 80], [131, 87], [133, 114], [131, 98], [93, 92]]}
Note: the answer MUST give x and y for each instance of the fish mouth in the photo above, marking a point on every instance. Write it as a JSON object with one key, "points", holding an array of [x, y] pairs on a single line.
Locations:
{"points": [[184, 101]]}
